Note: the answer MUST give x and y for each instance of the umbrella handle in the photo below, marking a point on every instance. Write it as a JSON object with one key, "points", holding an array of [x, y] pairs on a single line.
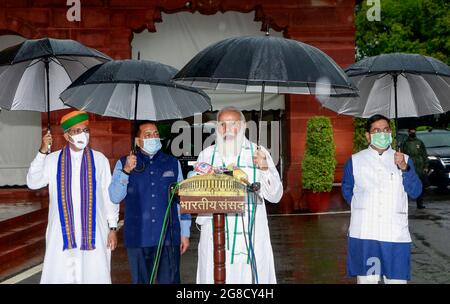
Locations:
{"points": [[49, 145]]}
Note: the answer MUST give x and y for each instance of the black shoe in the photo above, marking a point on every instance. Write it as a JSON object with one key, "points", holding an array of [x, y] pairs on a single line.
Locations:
{"points": [[421, 206]]}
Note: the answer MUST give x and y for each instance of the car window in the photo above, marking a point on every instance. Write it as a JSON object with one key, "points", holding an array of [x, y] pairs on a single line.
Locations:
{"points": [[435, 140]]}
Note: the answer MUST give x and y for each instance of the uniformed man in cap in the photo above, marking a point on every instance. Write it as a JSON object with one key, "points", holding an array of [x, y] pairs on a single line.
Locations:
{"points": [[416, 150]]}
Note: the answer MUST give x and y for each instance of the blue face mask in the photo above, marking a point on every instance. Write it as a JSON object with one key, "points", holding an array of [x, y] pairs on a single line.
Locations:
{"points": [[152, 145]]}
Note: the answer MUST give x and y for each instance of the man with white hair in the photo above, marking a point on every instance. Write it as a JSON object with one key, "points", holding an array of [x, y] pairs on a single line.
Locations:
{"points": [[249, 257]]}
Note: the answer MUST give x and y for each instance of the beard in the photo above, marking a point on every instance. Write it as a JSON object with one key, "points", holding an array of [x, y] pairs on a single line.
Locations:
{"points": [[229, 145]]}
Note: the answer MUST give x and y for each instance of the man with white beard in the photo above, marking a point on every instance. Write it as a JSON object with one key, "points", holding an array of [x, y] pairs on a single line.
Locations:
{"points": [[247, 260]]}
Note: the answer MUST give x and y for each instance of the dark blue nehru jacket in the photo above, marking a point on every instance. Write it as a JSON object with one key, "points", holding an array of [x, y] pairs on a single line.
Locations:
{"points": [[146, 201]]}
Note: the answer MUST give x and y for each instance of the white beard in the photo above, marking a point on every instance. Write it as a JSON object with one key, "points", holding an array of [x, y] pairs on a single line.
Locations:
{"points": [[229, 146]]}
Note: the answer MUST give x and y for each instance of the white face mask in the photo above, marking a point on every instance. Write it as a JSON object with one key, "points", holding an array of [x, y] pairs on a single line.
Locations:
{"points": [[80, 140]]}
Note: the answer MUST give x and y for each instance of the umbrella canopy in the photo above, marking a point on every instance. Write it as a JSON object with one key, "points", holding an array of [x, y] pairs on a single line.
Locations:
{"points": [[134, 89], [34, 72], [397, 85], [265, 64]]}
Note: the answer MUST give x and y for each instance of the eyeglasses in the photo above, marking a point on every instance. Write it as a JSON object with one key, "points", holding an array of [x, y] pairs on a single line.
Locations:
{"points": [[78, 131], [150, 134], [377, 130], [229, 124]]}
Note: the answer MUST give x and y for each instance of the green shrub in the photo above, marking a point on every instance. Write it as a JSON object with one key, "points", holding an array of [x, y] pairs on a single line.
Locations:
{"points": [[359, 134], [319, 162]]}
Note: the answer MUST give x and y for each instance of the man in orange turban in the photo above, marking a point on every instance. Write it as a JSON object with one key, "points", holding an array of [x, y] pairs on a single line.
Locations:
{"points": [[82, 220]]}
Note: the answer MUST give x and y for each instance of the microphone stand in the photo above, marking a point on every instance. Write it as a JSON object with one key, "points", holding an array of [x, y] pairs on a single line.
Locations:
{"points": [[163, 231]]}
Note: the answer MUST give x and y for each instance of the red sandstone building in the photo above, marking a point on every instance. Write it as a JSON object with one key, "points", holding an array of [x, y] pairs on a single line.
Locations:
{"points": [[109, 25]]}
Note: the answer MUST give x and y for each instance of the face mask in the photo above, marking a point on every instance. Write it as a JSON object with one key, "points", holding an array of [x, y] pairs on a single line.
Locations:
{"points": [[381, 140], [80, 140], [152, 145]]}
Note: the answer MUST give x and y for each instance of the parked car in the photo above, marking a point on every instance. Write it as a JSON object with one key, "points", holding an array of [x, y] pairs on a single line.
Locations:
{"points": [[437, 143]]}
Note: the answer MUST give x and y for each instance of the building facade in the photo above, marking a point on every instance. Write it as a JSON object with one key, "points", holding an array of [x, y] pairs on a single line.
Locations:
{"points": [[109, 25]]}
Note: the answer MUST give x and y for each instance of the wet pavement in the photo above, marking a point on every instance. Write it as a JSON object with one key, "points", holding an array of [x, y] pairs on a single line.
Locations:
{"points": [[312, 248]]}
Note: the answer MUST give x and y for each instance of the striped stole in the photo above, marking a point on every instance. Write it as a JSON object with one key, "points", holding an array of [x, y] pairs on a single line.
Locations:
{"points": [[88, 199]]}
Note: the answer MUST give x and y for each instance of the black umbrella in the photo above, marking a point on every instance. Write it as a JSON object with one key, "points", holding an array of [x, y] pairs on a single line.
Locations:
{"points": [[134, 90], [34, 72], [397, 85], [266, 64]]}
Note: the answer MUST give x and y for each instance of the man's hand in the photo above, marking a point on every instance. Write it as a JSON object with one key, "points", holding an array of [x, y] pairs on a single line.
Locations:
{"points": [[184, 244], [399, 160], [46, 142], [131, 163], [112, 240], [260, 160]]}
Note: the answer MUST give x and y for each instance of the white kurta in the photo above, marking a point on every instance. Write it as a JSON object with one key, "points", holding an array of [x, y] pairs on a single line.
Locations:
{"points": [[240, 272], [380, 203], [75, 265]]}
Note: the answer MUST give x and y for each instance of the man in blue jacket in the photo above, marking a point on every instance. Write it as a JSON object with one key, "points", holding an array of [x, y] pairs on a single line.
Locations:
{"points": [[143, 181]]}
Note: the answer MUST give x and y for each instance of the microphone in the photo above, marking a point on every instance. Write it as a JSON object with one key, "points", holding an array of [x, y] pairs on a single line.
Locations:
{"points": [[191, 174], [201, 169], [243, 177]]}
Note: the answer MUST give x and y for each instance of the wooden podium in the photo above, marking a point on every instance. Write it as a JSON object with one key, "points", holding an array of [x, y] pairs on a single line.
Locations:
{"points": [[215, 194]]}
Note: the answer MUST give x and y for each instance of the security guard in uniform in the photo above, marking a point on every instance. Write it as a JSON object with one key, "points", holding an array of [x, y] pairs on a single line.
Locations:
{"points": [[415, 148], [143, 180]]}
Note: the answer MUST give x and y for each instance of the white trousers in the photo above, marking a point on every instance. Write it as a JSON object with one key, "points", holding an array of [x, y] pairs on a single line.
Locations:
{"points": [[375, 279]]}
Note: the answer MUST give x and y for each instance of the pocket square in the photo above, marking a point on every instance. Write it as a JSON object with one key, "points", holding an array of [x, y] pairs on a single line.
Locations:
{"points": [[168, 174]]}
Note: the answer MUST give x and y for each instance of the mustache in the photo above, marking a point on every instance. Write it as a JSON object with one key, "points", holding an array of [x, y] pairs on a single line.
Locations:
{"points": [[228, 134]]}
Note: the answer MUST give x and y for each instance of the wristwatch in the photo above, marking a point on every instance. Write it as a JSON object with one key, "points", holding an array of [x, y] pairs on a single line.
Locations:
{"points": [[42, 152]]}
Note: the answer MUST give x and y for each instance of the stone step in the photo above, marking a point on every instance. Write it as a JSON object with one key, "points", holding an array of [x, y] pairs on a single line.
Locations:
{"points": [[14, 258], [15, 235], [22, 193], [22, 242], [24, 219]]}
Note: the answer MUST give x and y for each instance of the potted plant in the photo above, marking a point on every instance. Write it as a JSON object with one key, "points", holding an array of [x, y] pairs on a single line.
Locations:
{"points": [[319, 163]]}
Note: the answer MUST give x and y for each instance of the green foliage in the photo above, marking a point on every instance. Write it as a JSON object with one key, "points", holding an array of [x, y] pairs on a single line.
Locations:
{"points": [[319, 162], [394, 139], [410, 26], [359, 134]]}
